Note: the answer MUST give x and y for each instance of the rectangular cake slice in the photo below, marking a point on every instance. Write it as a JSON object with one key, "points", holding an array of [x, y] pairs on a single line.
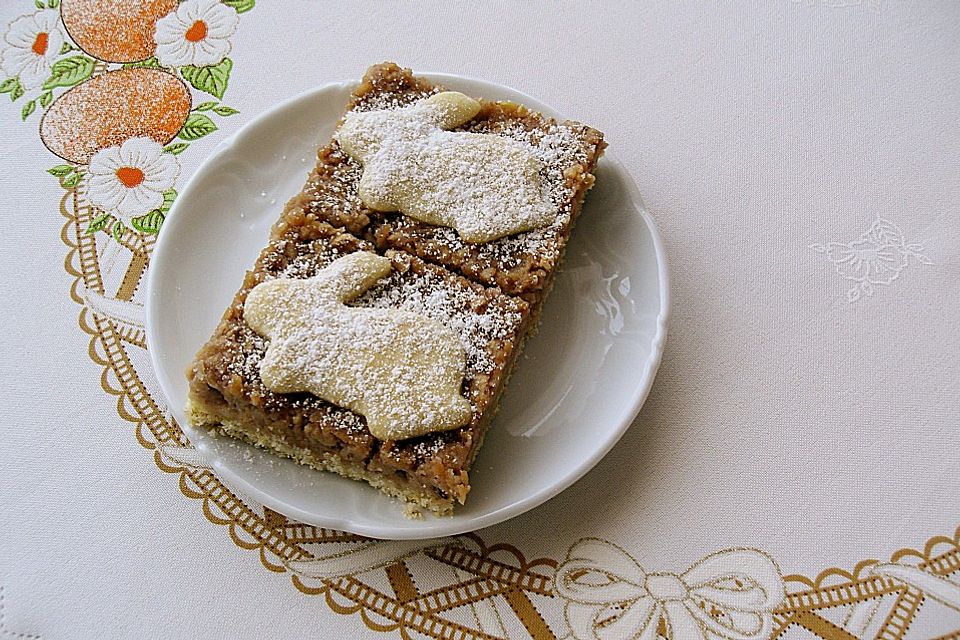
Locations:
{"points": [[521, 264], [489, 294], [228, 396]]}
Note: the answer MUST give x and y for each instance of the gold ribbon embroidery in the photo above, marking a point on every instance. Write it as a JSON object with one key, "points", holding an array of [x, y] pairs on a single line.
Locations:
{"points": [[730, 594], [944, 591]]}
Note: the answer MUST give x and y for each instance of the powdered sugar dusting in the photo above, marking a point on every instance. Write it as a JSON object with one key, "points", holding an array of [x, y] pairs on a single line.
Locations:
{"points": [[426, 449], [336, 190], [306, 265], [481, 324], [559, 148], [401, 370], [484, 186], [454, 305], [381, 100]]}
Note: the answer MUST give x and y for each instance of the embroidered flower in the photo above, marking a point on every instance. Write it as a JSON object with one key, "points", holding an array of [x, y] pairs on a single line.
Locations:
{"points": [[129, 180], [876, 257], [867, 259], [196, 33], [31, 44]]}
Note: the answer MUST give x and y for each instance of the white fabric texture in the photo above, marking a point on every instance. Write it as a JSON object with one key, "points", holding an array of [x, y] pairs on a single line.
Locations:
{"points": [[800, 158]]}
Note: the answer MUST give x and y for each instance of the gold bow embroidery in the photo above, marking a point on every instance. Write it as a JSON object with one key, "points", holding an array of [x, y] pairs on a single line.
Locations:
{"points": [[729, 594]]}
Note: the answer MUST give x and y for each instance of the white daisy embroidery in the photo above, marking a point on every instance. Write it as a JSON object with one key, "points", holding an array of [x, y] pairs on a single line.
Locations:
{"points": [[128, 181], [196, 33], [31, 44]]}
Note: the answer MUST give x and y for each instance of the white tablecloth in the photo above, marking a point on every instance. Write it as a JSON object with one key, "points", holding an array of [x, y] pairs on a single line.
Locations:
{"points": [[800, 449]]}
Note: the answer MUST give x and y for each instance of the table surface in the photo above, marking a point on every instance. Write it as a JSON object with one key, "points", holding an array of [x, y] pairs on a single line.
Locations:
{"points": [[795, 471]]}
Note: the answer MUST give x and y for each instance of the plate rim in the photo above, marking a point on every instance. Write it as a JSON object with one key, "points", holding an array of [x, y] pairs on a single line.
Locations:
{"points": [[439, 526]]}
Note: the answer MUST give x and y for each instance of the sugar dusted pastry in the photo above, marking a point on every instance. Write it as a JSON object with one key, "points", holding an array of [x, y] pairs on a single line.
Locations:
{"points": [[473, 291], [483, 185], [398, 369]]}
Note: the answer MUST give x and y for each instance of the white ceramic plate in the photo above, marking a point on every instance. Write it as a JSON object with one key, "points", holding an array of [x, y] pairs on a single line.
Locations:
{"points": [[577, 388]]}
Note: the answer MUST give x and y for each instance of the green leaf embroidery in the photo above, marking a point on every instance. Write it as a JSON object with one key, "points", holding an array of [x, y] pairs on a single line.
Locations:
{"points": [[176, 148], [46, 98], [7, 85], [28, 108], [205, 106], [149, 63], [168, 197], [17, 91], [196, 126], [98, 223], [240, 5], [71, 180], [61, 170], [117, 230], [38, 4], [223, 110], [212, 80], [149, 223], [66, 47], [53, 4], [69, 72]]}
